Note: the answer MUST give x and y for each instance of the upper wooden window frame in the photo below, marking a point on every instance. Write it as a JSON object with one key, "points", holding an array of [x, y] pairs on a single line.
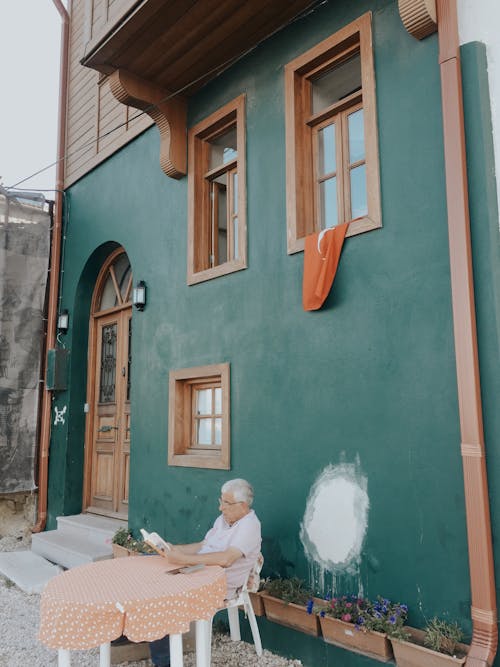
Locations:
{"points": [[198, 195], [301, 205], [181, 417]]}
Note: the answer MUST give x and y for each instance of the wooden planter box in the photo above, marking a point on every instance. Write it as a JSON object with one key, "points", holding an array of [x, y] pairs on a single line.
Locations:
{"points": [[257, 604], [415, 654], [122, 552], [292, 615], [373, 644]]}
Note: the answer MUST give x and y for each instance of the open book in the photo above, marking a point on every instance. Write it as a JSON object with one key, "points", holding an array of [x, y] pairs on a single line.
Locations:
{"points": [[155, 541]]}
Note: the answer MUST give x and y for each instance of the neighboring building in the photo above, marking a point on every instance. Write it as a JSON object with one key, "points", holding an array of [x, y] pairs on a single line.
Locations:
{"points": [[270, 121]]}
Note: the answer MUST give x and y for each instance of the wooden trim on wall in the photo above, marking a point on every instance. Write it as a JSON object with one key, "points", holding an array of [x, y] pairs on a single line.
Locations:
{"points": [[301, 219], [179, 418], [198, 204]]}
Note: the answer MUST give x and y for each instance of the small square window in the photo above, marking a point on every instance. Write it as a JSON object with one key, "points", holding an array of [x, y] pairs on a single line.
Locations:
{"points": [[216, 184], [198, 417], [331, 136]]}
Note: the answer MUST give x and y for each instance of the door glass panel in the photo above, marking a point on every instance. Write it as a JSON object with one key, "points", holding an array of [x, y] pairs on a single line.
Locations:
{"points": [[328, 203], [204, 402], [359, 205], [108, 298], [326, 150], [356, 137], [204, 432], [108, 364], [336, 84], [122, 270]]}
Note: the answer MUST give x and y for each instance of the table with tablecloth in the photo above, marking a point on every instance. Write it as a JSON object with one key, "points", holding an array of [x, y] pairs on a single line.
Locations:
{"points": [[93, 604]]}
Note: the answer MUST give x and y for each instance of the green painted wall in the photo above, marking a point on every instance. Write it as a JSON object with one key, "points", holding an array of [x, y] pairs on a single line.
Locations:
{"points": [[369, 378]]}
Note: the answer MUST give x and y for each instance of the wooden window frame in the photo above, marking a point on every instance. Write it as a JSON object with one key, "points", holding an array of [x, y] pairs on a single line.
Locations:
{"points": [[302, 209], [199, 203], [181, 417]]}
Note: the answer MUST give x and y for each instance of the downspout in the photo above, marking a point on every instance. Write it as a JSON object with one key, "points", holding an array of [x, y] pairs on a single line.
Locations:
{"points": [[55, 254], [482, 575]]}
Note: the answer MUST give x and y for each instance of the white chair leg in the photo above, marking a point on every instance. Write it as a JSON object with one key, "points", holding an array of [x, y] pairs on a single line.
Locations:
{"points": [[234, 623], [105, 655], [176, 657], [203, 643], [253, 625], [63, 658]]}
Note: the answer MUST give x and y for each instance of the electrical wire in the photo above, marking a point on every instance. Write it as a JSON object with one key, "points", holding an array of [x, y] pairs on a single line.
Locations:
{"points": [[218, 70]]}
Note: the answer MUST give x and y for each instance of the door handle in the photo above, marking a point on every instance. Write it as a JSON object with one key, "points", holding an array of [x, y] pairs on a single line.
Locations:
{"points": [[107, 429]]}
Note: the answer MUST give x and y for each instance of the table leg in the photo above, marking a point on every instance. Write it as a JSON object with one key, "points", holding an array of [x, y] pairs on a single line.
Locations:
{"points": [[105, 655], [203, 643], [64, 659], [176, 657]]}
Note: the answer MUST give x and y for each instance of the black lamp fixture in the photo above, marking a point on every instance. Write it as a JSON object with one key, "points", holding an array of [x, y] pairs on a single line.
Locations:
{"points": [[139, 295], [63, 321]]}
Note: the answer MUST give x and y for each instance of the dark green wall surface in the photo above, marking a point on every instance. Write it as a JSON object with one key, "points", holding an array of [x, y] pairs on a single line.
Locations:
{"points": [[370, 378]]}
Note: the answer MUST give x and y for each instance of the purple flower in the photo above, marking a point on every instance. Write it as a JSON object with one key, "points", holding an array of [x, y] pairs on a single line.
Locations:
{"points": [[392, 620], [310, 605], [322, 614]]}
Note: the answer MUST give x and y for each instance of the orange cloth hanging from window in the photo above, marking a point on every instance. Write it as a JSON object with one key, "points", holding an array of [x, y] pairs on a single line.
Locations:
{"points": [[321, 257]]}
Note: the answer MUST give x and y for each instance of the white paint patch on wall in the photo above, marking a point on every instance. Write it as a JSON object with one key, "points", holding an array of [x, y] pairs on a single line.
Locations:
{"points": [[336, 518], [478, 22]]}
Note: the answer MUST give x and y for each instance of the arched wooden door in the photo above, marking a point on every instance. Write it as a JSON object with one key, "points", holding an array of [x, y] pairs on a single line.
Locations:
{"points": [[107, 442]]}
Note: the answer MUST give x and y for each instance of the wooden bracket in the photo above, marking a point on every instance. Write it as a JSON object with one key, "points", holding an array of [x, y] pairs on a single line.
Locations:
{"points": [[169, 114], [419, 17]]}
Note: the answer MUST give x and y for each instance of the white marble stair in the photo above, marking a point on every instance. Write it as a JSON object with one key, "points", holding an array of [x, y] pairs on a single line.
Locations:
{"points": [[79, 539]]}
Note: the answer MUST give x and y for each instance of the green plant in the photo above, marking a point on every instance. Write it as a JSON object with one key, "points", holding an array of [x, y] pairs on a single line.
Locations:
{"points": [[350, 609], [289, 590], [124, 538], [383, 615], [380, 615], [442, 636]]}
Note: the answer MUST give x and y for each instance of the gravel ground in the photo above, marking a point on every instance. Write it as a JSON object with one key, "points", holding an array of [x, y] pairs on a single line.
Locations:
{"points": [[19, 618]]}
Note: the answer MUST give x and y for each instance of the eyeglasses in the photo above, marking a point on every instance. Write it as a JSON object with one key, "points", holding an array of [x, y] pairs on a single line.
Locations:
{"points": [[227, 503]]}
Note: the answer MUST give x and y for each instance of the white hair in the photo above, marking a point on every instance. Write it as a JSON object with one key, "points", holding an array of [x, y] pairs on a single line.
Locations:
{"points": [[241, 489]]}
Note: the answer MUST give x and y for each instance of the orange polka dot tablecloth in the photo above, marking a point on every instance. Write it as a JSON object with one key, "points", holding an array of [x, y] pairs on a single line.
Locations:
{"points": [[96, 603]]}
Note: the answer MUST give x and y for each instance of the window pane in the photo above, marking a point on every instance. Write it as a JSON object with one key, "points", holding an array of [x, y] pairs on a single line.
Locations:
{"points": [[235, 192], [359, 205], [204, 432], [204, 402], [328, 200], [218, 431], [326, 150], [108, 297], [223, 148], [220, 223], [356, 137], [336, 84], [218, 401]]}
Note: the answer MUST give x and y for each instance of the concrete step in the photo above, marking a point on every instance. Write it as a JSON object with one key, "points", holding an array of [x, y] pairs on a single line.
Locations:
{"points": [[94, 527], [27, 570], [69, 549]]}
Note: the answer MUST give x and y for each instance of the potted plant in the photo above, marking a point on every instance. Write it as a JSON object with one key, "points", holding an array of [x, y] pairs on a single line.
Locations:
{"points": [[361, 625], [124, 544], [438, 645], [289, 602]]}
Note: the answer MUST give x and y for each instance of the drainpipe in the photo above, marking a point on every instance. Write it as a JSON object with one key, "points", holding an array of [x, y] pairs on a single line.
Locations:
{"points": [[55, 254], [482, 575]]}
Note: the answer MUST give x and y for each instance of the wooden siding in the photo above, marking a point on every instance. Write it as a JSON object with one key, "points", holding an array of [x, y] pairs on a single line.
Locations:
{"points": [[92, 110]]}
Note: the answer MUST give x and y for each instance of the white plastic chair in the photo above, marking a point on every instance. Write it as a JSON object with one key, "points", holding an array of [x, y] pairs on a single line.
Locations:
{"points": [[242, 599]]}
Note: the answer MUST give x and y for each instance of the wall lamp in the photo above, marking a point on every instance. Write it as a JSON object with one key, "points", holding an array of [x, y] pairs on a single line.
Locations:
{"points": [[139, 295], [63, 321]]}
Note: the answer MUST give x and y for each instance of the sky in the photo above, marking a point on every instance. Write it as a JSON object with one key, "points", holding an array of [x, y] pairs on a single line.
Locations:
{"points": [[29, 61]]}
